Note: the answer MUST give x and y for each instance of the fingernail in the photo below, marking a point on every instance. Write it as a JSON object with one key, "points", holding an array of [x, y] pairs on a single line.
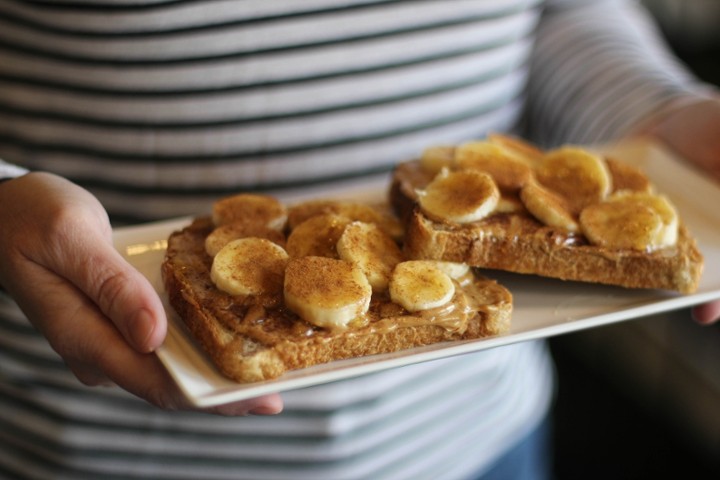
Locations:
{"points": [[263, 411], [141, 329], [704, 322]]}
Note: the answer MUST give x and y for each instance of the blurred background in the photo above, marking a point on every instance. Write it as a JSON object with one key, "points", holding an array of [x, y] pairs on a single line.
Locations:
{"points": [[641, 399]]}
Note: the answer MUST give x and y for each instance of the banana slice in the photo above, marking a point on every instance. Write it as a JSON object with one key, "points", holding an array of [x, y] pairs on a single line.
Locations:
{"points": [[628, 219], [627, 177], [368, 247], [661, 204], [224, 234], [509, 203], [250, 209], [454, 270], [461, 196], [249, 266], [317, 236], [420, 285], [579, 176], [549, 208], [326, 292], [379, 214], [518, 146], [509, 170], [621, 226], [435, 158]]}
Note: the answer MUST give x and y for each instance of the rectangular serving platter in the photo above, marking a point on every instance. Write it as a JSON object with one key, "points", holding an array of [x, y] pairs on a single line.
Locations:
{"points": [[542, 307]]}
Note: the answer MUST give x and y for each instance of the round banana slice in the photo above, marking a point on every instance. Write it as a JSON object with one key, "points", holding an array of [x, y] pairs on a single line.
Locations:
{"points": [[670, 218], [379, 214], [629, 219], [420, 285], [250, 208], [510, 203], [435, 158], [620, 226], [627, 177], [518, 146], [249, 266], [317, 236], [367, 246], [510, 171], [454, 270], [224, 234], [547, 207], [326, 292], [460, 196], [579, 176]]}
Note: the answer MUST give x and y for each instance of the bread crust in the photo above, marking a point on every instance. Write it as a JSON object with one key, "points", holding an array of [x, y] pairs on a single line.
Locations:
{"points": [[518, 243], [253, 339]]}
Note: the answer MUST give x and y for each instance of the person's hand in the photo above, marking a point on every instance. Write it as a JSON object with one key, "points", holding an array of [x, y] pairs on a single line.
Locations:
{"points": [[96, 311], [693, 132]]}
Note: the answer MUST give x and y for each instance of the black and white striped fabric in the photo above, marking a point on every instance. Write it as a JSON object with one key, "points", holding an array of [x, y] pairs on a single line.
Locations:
{"points": [[160, 106], [178, 102]]}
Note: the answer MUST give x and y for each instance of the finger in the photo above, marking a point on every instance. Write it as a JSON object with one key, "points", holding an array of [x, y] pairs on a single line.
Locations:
{"points": [[105, 358], [90, 344], [707, 313], [89, 375], [271, 404], [98, 354], [152, 382], [121, 293]]}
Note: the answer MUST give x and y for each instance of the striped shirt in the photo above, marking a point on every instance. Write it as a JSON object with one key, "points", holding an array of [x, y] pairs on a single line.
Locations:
{"points": [[159, 107]]}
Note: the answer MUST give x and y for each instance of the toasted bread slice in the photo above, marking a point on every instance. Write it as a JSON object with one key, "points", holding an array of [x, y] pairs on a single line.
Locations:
{"points": [[253, 338], [516, 240]]}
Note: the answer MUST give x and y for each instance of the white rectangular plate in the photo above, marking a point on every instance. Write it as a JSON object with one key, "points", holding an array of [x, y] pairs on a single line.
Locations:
{"points": [[542, 307]]}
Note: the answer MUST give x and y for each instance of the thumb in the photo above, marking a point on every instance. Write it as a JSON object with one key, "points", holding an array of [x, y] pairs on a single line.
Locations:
{"points": [[129, 300], [122, 293]]}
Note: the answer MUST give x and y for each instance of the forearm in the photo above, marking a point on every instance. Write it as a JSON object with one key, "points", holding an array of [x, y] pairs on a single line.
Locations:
{"points": [[598, 70]]}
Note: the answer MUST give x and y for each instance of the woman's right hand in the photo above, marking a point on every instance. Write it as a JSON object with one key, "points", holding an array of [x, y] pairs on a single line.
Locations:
{"points": [[97, 312]]}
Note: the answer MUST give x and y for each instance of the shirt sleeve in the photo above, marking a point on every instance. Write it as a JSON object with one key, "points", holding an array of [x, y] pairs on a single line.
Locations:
{"points": [[8, 170], [598, 69]]}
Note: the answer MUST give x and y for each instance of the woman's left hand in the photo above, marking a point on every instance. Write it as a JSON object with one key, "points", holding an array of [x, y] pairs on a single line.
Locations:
{"points": [[693, 132]]}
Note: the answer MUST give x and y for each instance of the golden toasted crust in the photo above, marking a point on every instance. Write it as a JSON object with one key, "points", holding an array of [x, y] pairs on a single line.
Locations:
{"points": [[252, 339], [519, 243]]}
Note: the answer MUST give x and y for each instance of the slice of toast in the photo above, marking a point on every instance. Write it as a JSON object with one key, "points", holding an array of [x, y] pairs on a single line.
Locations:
{"points": [[256, 337], [511, 238]]}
